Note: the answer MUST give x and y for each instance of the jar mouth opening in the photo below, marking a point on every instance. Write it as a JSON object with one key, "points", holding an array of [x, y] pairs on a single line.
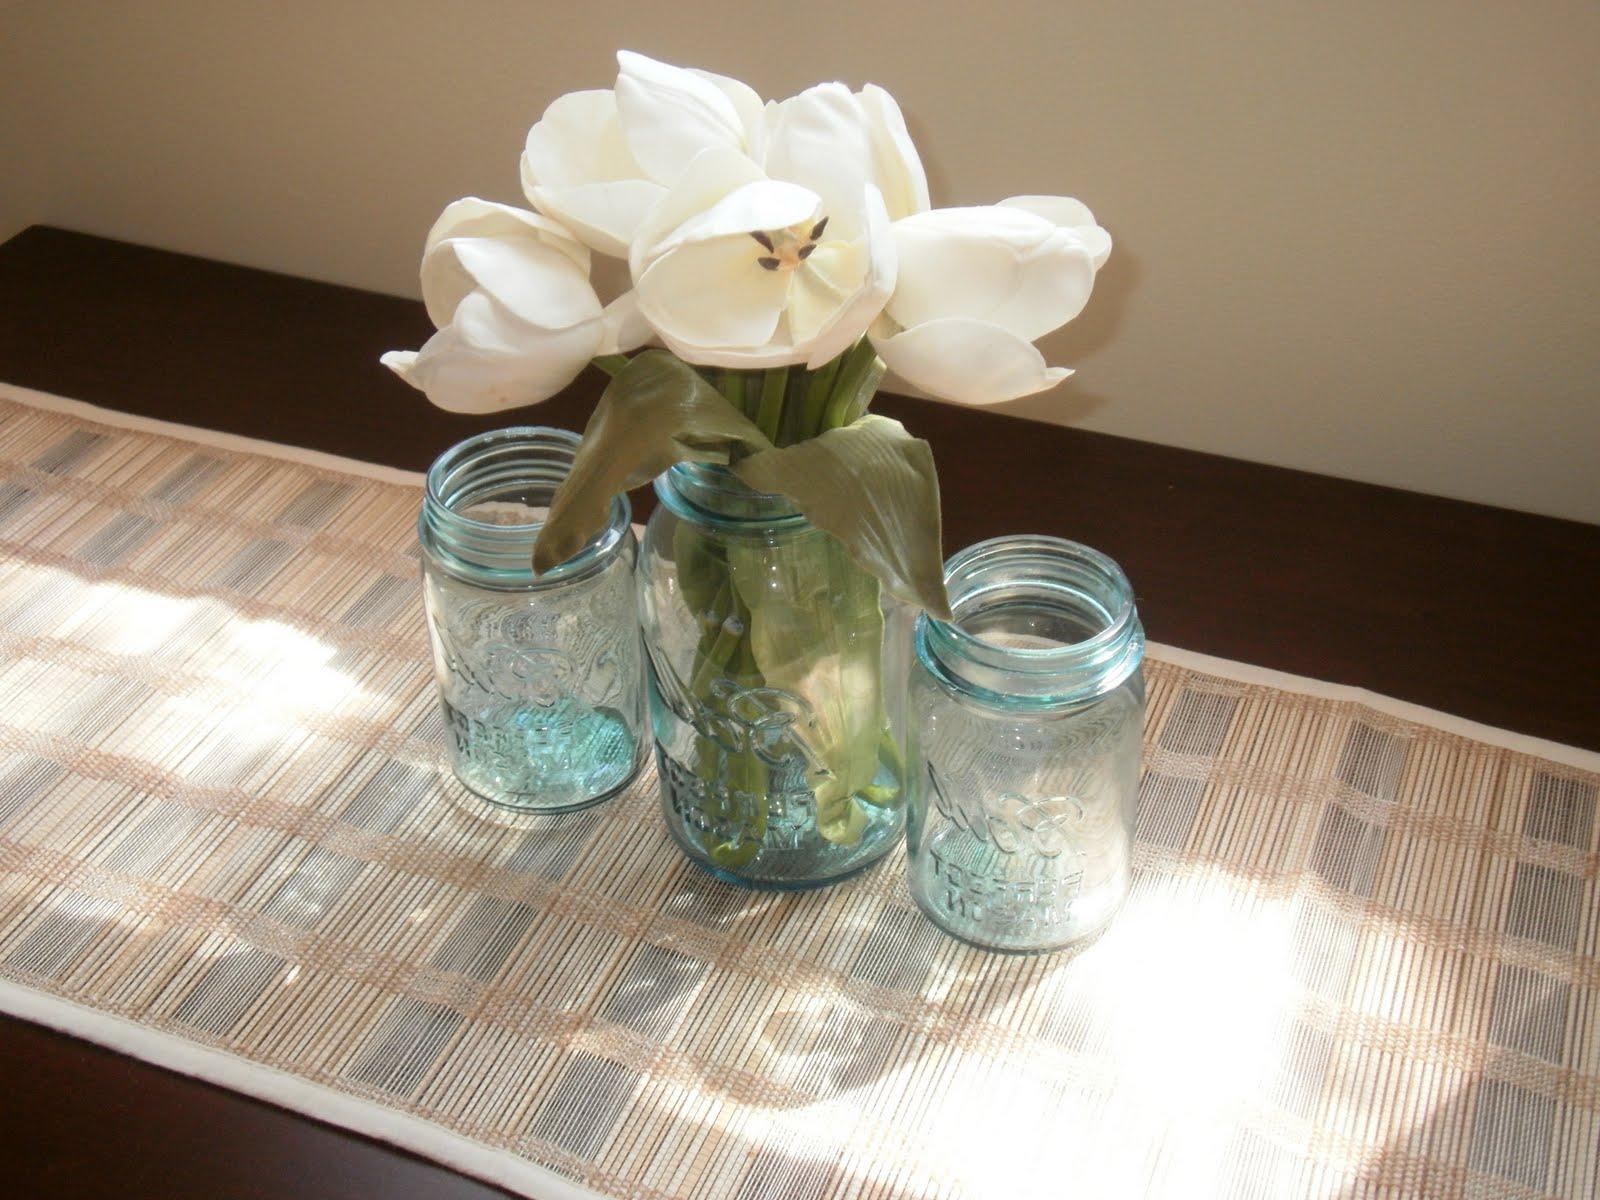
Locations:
{"points": [[1036, 620], [487, 497], [1043, 602], [713, 494]]}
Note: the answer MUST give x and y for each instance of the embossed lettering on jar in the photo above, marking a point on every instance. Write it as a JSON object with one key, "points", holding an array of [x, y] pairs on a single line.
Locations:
{"points": [[1027, 711], [540, 677]]}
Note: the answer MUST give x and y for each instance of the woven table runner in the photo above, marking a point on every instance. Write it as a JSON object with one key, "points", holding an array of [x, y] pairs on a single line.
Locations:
{"points": [[1359, 959]]}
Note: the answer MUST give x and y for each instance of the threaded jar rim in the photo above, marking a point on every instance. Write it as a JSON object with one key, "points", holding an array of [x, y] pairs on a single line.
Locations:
{"points": [[529, 461], [1081, 596], [713, 495]]}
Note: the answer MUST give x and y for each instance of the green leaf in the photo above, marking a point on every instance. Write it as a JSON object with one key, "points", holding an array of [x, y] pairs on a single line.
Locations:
{"points": [[656, 411], [816, 632], [701, 569], [873, 486]]}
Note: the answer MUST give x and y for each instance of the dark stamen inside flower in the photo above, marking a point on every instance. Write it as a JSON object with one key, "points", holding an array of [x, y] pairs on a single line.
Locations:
{"points": [[805, 251], [770, 264], [816, 230], [763, 239]]}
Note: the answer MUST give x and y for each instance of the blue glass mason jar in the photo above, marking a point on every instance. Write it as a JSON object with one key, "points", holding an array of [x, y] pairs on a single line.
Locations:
{"points": [[541, 677], [1027, 715], [777, 673]]}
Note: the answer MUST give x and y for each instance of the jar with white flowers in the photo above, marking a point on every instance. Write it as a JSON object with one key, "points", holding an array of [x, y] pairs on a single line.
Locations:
{"points": [[779, 257]]}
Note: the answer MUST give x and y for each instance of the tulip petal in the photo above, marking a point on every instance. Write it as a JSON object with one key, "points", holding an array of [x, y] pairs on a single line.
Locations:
{"points": [[778, 352], [746, 102], [444, 286], [819, 139], [855, 278], [767, 204], [966, 360], [1000, 265], [622, 326], [576, 166], [712, 175], [669, 115], [713, 294], [1068, 214], [472, 217], [901, 177], [486, 360], [604, 216], [1058, 210], [823, 284], [536, 284], [579, 140], [445, 282]]}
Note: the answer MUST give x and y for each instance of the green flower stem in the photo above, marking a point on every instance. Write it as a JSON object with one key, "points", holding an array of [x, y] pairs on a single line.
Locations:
{"points": [[611, 363], [857, 366], [792, 404], [736, 781], [720, 647], [732, 386], [769, 417], [790, 431], [819, 385], [865, 391]]}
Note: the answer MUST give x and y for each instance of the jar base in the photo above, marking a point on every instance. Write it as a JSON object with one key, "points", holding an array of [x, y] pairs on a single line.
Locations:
{"points": [[782, 885], [806, 862], [531, 806], [1074, 945], [544, 761]]}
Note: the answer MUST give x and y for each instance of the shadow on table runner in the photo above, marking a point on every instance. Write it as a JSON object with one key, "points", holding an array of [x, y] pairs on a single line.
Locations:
{"points": [[1359, 957]]}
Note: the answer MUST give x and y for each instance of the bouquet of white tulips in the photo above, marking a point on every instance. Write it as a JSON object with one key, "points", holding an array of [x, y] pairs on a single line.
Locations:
{"points": [[784, 253], [781, 254]]}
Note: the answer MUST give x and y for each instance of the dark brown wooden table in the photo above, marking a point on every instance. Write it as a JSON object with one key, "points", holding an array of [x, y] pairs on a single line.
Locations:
{"points": [[1489, 614]]}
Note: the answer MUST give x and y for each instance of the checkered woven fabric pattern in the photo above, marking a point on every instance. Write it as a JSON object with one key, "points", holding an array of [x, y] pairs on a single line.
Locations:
{"points": [[1360, 958]]}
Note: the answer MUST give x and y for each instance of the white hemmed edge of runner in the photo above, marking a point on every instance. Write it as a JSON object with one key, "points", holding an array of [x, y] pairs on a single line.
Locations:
{"points": [[211, 437], [1404, 710]]}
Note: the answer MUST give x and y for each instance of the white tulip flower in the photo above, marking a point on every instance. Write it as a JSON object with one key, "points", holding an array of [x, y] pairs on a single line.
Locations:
{"points": [[1068, 214], [509, 293], [771, 248], [977, 286], [598, 160], [577, 168], [790, 271], [737, 269], [835, 142], [670, 114]]}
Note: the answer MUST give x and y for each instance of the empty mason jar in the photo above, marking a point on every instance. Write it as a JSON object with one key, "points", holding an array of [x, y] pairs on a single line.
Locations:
{"points": [[541, 677], [1027, 713]]}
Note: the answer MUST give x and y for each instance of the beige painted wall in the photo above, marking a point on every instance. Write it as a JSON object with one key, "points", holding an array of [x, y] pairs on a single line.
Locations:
{"points": [[1355, 237]]}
